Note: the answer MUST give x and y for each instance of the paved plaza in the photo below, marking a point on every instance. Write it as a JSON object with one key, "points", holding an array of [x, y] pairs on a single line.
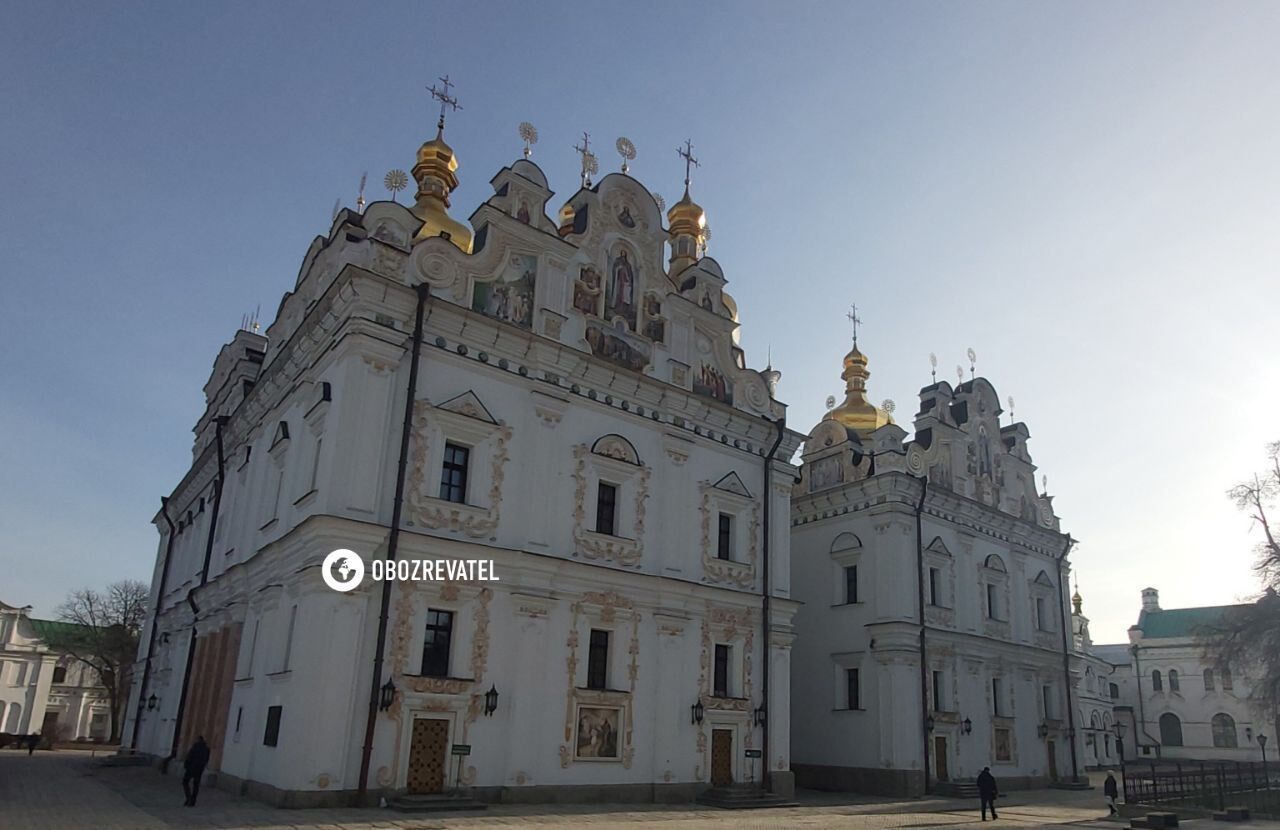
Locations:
{"points": [[67, 789]]}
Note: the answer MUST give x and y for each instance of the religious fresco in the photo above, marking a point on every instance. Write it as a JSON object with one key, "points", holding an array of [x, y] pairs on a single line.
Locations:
{"points": [[984, 452], [620, 293], [597, 737], [523, 213], [655, 327], [1004, 745], [825, 472], [587, 290], [711, 382], [625, 218], [618, 345], [510, 296]]}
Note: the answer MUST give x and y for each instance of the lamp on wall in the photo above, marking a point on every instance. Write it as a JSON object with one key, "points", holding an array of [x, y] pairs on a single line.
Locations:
{"points": [[388, 695], [491, 700], [968, 726], [152, 701], [1262, 742], [1043, 730], [762, 715], [697, 711]]}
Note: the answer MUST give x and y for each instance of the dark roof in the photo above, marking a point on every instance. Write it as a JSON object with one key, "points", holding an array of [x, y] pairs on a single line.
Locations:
{"points": [[1180, 622], [1116, 654], [45, 629]]}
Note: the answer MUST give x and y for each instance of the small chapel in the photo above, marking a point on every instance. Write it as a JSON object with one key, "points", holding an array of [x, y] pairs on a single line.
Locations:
{"points": [[553, 386]]}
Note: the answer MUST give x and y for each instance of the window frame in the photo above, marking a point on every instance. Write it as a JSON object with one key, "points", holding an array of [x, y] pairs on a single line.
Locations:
{"points": [[602, 487], [853, 689], [598, 659], [724, 537], [848, 571], [722, 672], [451, 471], [432, 629]]}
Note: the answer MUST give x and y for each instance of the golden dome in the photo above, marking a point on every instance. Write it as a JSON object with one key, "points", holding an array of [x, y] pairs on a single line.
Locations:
{"points": [[686, 216], [858, 413], [436, 175]]}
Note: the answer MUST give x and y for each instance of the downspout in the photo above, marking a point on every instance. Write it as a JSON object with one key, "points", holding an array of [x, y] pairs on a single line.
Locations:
{"points": [[393, 542], [781, 426], [1141, 725], [1066, 663], [924, 669], [155, 620], [218, 424]]}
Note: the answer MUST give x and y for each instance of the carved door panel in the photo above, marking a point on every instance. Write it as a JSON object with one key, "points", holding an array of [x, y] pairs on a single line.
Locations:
{"points": [[427, 756], [721, 757], [940, 758]]}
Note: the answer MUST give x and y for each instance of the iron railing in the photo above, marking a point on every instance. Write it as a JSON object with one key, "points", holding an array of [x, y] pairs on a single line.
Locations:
{"points": [[1210, 785]]}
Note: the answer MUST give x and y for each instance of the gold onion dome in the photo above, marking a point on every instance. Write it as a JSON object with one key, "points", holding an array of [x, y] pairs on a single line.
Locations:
{"points": [[686, 216], [436, 174], [858, 413]]}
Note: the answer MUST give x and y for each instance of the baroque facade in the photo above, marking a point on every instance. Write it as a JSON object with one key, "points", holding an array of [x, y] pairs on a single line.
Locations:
{"points": [[932, 575], [555, 395], [42, 691]]}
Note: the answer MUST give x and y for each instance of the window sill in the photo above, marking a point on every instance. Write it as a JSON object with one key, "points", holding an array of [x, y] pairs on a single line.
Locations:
{"points": [[606, 691], [847, 709], [440, 677], [307, 496], [844, 604], [283, 673], [268, 524]]}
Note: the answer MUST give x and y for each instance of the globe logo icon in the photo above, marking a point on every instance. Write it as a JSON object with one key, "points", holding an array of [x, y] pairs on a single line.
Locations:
{"points": [[342, 570]]}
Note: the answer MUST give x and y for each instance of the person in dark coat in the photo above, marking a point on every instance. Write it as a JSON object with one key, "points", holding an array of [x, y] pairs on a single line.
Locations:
{"points": [[33, 741], [197, 759], [1112, 792], [987, 792]]}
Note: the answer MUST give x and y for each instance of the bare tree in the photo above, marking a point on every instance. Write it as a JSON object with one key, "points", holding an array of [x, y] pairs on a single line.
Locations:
{"points": [[103, 634], [1248, 636]]}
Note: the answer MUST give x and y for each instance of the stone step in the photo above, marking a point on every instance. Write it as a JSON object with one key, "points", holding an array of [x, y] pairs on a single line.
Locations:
{"points": [[1155, 821], [435, 803], [1232, 814], [742, 797]]}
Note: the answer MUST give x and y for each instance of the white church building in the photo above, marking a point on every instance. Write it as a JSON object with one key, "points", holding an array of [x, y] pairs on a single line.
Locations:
{"points": [[931, 639], [556, 395]]}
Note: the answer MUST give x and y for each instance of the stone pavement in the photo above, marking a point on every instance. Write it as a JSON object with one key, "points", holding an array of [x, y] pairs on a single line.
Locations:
{"points": [[68, 791]]}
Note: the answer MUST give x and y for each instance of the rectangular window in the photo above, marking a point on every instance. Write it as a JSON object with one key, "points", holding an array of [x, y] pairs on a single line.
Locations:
{"points": [[278, 489], [993, 610], [851, 584], [20, 674], [939, 703], [436, 643], [453, 473], [935, 586], [1041, 620], [271, 737], [288, 642], [1047, 693], [721, 684], [598, 660], [606, 508], [1227, 682], [997, 695], [315, 464], [253, 649], [724, 547], [59, 674], [853, 694]]}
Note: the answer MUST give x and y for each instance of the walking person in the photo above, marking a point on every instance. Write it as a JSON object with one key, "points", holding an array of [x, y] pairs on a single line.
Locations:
{"points": [[987, 792], [33, 740], [1112, 791], [197, 759]]}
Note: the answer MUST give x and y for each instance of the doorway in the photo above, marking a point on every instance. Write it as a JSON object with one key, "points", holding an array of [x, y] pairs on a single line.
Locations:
{"points": [[427, 748], [1053, 762], [721, 757], [940, 758]]}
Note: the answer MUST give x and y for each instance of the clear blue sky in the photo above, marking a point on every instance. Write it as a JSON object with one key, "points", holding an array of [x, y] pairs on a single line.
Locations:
{"points": [[1086, 194]]}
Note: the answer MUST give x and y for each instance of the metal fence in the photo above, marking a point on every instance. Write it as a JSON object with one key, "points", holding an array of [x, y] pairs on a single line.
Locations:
{"points": [[1210, 785]]}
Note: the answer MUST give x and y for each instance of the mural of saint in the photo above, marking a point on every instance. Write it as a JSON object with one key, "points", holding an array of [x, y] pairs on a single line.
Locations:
{"points": [[510, 296], [586, 291], [597, 732], [618, 345], [620, 298], [625, 218], [984, 452], [711, 382], [523, 213], [826, 472], [655, 328]]}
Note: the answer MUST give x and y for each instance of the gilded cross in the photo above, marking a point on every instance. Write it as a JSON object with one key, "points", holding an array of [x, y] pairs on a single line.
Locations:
{"points": [[853, 318], [443, 96], [686, 153], [589, 163]]}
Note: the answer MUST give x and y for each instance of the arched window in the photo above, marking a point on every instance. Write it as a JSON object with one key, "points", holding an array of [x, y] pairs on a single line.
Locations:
{"points": [[1224, 731], [1115, 691], [1173, 680], [14, 721], [1208, 680], [1170, 730], [1157, 685], [1226, 680]]}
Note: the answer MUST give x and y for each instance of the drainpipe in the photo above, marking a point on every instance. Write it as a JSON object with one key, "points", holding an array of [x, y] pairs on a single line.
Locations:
{"points": [[155, 620], [1141, 725], [924, 669], [1066, 663], [781, 426], [393, 542], [218, 424]]}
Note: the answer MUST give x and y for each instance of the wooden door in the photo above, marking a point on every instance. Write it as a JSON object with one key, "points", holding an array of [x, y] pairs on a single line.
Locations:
{"points": [[427, 756], [940, 758], [721, 757], [1053, 762]]}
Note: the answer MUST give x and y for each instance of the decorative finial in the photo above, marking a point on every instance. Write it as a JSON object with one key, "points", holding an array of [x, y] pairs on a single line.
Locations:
{"points": [[973, 360], [888, 405], [1044, 485], [627, 150], [445, 99], [1011, 410], [853, 318], [831, 402], [589, 163], [959, 375], [528, 134], [686, 153], [661, 202], [704, 238], [360, 196], [933, 366], [395, 181]]}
